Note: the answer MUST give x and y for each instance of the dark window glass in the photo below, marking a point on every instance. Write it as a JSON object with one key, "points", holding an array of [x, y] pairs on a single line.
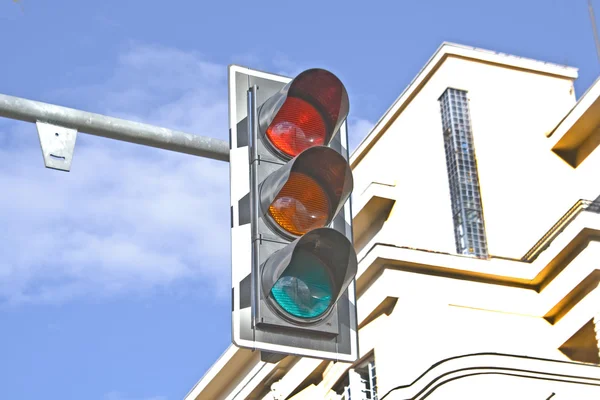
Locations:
{"points": [[469, 228]]}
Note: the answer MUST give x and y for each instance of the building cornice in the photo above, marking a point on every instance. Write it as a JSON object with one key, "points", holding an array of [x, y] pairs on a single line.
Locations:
{"points": [[578, 133], [445, 51]]}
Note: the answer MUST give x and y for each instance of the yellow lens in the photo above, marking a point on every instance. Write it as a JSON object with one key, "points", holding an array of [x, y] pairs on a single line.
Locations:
{"points": [[301, 206]]}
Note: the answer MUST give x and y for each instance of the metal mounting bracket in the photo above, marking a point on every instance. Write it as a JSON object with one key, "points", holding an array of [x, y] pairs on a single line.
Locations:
{"points": [[58, 144]]}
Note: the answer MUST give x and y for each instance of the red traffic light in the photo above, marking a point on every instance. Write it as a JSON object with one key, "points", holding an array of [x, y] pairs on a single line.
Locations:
{"points": [[307, 112], [296, 127]]}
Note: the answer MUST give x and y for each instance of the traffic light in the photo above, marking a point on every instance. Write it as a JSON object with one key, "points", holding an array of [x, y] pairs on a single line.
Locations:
{"points": [[293, 261]]}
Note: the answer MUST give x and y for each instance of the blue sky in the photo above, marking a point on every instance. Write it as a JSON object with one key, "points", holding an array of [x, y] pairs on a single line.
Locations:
{"points": [[114, 278]]}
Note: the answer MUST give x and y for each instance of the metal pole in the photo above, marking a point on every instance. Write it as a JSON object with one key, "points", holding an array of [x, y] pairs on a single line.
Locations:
{"points": [[253, 157], [593, 18], [114, 128]]}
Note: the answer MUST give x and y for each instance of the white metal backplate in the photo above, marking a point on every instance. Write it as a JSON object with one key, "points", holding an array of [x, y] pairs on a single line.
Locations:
{"points": [[243, 335]]}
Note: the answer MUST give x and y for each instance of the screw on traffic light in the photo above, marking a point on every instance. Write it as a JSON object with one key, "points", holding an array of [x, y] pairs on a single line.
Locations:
{"points": [[293, 262]]}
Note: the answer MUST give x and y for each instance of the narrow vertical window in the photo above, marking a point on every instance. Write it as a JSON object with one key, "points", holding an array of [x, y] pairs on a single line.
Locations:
{"points": [[360, 383], [469, 228]]}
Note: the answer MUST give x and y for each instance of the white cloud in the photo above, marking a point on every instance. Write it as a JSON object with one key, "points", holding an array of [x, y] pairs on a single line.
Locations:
{"points": [[287, 67], [357, 130], [126, 219]]}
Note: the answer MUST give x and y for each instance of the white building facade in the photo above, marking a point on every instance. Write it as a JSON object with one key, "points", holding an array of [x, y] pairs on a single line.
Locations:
{"points": [[477, 236]]}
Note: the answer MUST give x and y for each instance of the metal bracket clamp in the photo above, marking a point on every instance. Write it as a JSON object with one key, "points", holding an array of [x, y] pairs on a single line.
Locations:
{"points": [[58, 144]]}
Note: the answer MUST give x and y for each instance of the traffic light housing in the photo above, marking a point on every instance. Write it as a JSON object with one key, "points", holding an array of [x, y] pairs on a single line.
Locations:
{"points": [[293, 261]]}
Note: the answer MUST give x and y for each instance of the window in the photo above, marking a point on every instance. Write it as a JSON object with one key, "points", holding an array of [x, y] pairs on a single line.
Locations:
{"points": [[467, 213], [360, 383]]}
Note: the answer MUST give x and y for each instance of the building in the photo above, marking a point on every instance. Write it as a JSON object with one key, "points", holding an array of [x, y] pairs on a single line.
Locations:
{"points": [[478, 243]]}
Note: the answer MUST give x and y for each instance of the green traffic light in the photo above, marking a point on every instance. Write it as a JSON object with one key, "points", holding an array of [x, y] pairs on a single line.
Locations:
{"points": [[304, 288]]}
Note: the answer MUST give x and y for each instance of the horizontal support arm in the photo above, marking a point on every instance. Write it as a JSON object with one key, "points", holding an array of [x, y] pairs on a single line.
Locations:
{"points": [[113, 128]]}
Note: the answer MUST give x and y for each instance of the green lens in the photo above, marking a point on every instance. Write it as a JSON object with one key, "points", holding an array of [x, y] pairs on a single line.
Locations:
{"points": [[304, 289]]}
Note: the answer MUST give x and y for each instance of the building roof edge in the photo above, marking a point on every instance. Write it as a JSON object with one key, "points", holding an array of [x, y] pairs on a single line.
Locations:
{"points": [[445, 50]]}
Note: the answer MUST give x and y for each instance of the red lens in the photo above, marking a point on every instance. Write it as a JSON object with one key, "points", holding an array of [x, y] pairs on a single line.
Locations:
{"points": [[296, 127]]}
